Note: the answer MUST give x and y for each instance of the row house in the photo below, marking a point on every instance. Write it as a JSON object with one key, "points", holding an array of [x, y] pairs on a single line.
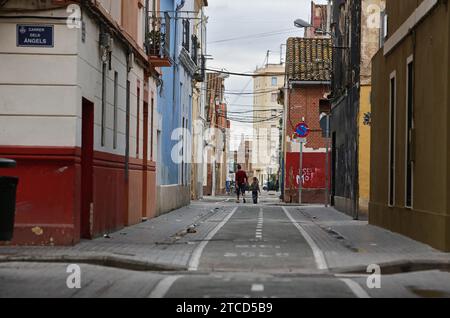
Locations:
{"points": [[199, 106], [183, 28], [78, 98], [308, 80], [410, 151], [267, 115], [356, 37]]}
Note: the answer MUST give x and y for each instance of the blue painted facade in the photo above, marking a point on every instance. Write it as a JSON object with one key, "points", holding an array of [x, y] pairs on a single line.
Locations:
{"points": [[175, 100]]}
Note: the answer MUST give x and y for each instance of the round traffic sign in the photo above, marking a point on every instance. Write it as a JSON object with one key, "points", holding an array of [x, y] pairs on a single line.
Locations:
{"points": [[302, 130]]}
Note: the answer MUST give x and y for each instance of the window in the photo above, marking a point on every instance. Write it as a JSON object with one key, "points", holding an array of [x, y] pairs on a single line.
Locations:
{"points": [[384, 28], [409, 133], [274, 97], [104, 79], [274, 81], [392, 136], [186, 34], [158, 157], [116, 93]]}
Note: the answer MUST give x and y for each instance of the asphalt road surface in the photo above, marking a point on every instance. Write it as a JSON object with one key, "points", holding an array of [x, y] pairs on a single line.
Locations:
{"points": [[254, 252]]}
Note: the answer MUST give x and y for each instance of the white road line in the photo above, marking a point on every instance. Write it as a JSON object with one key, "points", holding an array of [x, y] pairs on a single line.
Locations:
{"points": [[163, 286], [197, 254], [318, 254], [260, 224], [355, 288], [257, 288], [351, 275]]}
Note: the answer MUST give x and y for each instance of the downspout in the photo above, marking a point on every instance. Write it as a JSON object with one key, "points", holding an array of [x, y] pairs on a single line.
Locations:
{"points": [[175, 68], [127, 123], [147, 9], [175, 49], [284, 139]]}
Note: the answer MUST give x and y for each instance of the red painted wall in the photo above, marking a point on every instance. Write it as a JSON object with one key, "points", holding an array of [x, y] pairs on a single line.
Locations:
{"points": [[49, 194], [314, 177]]}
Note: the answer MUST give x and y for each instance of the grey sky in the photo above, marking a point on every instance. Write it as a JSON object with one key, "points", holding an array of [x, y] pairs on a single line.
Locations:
{"points": [[230, 19]]}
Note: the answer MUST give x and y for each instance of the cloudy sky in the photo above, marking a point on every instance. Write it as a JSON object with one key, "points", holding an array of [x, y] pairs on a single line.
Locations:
{"points": [[240, 32]]}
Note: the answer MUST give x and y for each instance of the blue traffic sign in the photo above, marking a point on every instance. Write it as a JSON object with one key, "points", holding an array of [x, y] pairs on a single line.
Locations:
{"points": [[302, 130]]}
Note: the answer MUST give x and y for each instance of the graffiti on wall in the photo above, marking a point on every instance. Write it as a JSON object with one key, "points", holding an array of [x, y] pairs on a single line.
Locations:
{"points": [[313, 174]]}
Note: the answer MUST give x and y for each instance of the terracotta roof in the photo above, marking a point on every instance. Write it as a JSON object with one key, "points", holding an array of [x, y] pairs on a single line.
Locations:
{"points": [[309, 59]]}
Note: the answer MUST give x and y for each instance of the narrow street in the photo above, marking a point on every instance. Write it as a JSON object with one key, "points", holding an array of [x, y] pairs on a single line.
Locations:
{"points": [[130, 130], [228, 250]]}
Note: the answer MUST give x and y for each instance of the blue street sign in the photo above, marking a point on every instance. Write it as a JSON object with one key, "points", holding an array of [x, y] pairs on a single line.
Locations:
{"points": [[302, 130], [35, 35]]}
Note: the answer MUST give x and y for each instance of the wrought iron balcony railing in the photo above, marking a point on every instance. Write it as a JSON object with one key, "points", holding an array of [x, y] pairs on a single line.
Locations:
{"points": [[157, 42]]}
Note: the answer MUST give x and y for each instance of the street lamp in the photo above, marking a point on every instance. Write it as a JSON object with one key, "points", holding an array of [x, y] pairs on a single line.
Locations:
{"points": [[302, 24]]}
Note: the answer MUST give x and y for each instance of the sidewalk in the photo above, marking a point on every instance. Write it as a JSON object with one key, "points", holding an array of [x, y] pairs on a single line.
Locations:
{"points": [[162, 243], [351, 246], [167, 242]]}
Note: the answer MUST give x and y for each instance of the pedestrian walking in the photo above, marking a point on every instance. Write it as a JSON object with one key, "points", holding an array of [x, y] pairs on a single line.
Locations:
{"points": [[241, 184], [255, 190]]}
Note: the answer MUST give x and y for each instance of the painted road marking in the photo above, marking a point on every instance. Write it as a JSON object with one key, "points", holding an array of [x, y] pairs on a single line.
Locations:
{"points": [[318, 254], [251, 254], [260, 225], [197, 254], [257, 288], [355, 288], [164, 286]]}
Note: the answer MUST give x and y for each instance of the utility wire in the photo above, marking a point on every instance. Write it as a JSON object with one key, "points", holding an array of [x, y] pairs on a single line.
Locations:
{"points": [[255, 36]]}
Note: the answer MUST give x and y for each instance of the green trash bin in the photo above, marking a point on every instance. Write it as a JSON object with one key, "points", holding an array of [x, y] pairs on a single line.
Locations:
{"points": [[8, 190]]}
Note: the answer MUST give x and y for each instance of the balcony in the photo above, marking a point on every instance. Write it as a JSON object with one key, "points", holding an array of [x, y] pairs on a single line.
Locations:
{"points": [[157, 42]]}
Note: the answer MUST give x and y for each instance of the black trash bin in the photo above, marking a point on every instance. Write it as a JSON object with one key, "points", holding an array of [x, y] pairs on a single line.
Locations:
{"points": [[8, 189]]}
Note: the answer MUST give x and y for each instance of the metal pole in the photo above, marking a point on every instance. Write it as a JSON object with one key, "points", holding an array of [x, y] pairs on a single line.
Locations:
{"points": [[327, 163], [300, 183]]}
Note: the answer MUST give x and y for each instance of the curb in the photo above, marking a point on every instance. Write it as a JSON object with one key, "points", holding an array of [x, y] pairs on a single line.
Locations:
{"points": [[100, 260], [397, 267]]}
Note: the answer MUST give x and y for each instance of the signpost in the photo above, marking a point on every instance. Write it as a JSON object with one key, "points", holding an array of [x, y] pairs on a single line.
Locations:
{"points": [[302, 131], [35, 35]]}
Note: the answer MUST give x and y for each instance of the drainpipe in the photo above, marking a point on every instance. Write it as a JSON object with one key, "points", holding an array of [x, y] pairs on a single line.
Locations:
{"points": [[127, 124], [175, 51], [284, 139], [147, 26]]}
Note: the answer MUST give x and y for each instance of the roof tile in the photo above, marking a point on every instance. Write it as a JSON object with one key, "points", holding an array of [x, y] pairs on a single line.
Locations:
{"points": [[309, 59]]}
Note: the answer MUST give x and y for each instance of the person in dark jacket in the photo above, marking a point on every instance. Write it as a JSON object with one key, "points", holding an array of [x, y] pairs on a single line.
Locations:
{"points": [[255, 190]]}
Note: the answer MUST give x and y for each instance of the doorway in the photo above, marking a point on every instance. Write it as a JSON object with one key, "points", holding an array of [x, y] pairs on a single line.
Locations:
{"points": [[87, 169], [145, 164], [333, 168]]}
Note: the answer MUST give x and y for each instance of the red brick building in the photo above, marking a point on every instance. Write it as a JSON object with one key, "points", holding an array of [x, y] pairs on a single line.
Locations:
{"points": [[308, 71]]}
